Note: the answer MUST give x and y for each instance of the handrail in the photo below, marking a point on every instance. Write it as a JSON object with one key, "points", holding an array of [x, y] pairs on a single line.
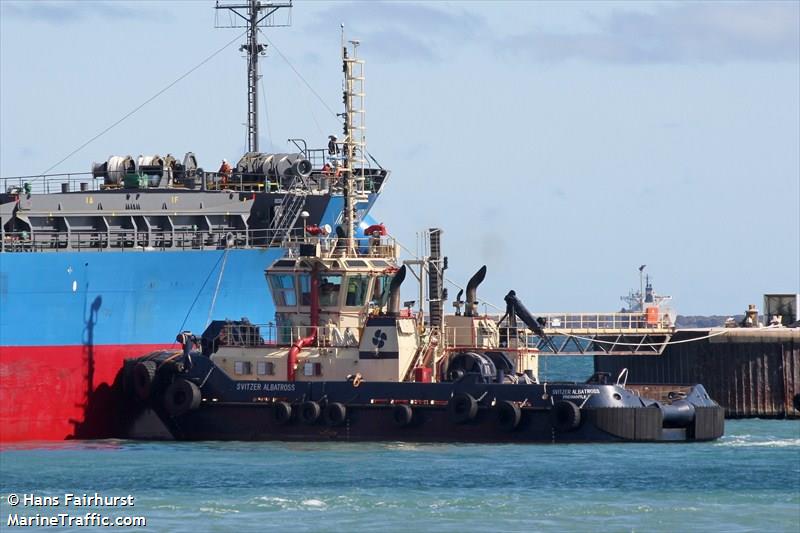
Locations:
{"points": [[271, 334], [138, 240], [604, 320], [135, 239], [318, 181]]}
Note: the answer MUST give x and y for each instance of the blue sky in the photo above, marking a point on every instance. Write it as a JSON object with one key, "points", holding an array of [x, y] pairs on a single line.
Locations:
{"points": [[562, 144]]}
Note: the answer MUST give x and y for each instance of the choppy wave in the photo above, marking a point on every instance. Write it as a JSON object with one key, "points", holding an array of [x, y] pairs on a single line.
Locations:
{"points": [[217, 510], [768, 441], [312, 487]]}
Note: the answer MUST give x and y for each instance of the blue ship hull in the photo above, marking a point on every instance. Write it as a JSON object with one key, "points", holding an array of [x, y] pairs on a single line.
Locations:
{"points": [[69, 319], [78, 298]]}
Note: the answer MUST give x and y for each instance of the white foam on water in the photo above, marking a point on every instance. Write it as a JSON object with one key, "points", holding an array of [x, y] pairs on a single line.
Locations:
{"points": [[214, 510], [745, 441], [314, 503], [272, 499]]}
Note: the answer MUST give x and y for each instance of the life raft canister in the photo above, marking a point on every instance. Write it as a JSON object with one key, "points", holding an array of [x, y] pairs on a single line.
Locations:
{"points": [[379, 228]]}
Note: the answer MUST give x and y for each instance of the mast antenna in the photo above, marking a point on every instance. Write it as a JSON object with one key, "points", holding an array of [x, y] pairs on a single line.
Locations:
{"points": [[254, 14], [354, 145]]}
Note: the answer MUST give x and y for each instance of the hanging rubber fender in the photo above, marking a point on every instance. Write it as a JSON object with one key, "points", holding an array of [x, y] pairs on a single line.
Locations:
{"points": [[335, 414], [565, 415], [282, 413], [462, 407], [508, 415], [181, 397], [402, 415], [796, 401], [309, 412], [144, 373]]}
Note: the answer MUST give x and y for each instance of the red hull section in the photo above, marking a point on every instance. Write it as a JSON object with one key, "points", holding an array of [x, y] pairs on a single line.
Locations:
{"points": [[62, 392]]}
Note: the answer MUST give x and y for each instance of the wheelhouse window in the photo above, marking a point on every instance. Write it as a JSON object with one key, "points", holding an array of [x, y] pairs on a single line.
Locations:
{"points": [[305, 289], [241, 368], [283, 291], [357, 287], [380, 290], [329, 288]]}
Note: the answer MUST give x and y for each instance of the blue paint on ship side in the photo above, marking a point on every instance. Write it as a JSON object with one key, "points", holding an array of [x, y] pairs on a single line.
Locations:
{"points": [[135, 297], [128, 297]]}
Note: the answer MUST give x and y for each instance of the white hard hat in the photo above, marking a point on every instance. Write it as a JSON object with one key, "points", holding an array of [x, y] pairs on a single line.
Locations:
{"points": [[224, 160]]}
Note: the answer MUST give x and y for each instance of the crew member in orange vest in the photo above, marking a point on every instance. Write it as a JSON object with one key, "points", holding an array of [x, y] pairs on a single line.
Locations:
{"points": [[224, 172]]}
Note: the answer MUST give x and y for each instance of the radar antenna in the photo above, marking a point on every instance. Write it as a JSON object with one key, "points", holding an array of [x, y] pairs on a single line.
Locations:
{"points": [[255, 14]]}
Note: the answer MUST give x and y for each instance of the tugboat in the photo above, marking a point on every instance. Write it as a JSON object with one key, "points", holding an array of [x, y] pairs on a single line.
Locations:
{"points": [[344, 361]]}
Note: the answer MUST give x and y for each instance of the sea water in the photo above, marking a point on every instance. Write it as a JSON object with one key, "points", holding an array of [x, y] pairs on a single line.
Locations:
{"points": [[747, 481]]}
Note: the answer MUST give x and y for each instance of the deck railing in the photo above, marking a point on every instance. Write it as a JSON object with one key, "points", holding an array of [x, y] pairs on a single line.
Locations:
{"points": [[139, 240], [641, 341], [317, 182], [271, 334], [566, 322]]}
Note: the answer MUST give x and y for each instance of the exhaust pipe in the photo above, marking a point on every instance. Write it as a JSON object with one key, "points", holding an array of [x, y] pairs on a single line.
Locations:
{"points": [[341, 242], [471, 304], [393, 304]]}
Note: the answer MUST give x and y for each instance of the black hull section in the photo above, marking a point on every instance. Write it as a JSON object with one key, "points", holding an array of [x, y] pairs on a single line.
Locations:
{"points": [[434, 424], [205, 404]]}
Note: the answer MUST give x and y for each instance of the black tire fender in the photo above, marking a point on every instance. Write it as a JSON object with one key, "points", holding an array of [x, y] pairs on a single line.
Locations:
{"points": [[335, 414], [402, 414], [144, 374], [507, 415], [282, 413], [462, 407], [310, 411], [565, 415], [181, 397]]}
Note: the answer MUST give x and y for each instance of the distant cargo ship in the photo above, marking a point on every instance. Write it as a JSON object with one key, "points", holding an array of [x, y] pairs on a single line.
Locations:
{"points": [[98, 267]]}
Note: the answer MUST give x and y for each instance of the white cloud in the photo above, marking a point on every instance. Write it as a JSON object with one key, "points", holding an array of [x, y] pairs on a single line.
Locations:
{"points": [[685, 33]]}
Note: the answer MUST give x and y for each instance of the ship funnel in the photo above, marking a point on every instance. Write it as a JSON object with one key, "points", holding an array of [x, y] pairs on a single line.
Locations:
{"points": [[393, 305], [459, 302], [471, 304]]}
